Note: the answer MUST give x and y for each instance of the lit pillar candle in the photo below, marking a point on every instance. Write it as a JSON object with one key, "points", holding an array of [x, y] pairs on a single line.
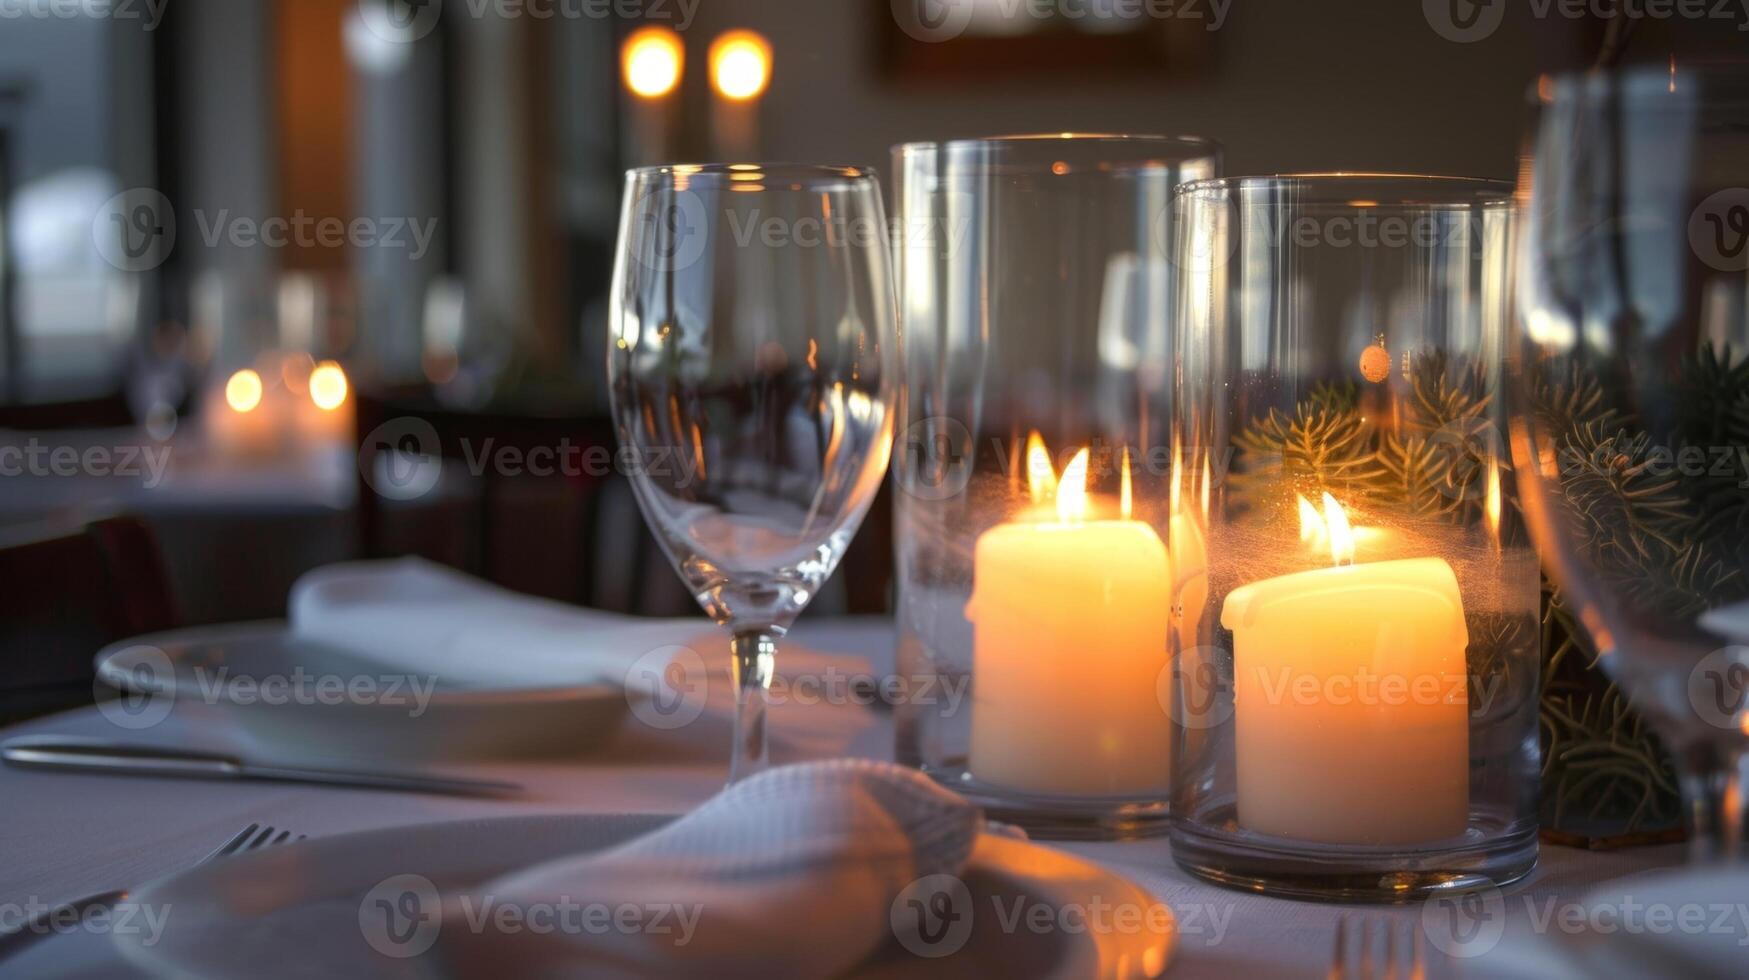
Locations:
{"points": [[1070, 624], [740, 66], [325, 413], [652, 61], [1350, 702]]}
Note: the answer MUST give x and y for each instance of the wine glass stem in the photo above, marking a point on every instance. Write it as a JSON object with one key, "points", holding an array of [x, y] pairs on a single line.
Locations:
{"points": [[754, 653], [1713, 783]]}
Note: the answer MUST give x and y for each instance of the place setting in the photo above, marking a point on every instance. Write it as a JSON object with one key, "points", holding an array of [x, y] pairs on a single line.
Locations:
{"points": [[1074, 555]]}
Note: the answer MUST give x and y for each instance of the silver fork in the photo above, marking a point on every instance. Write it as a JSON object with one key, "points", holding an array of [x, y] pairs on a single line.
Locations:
{"points": [[1402, 947], [251, 838]]}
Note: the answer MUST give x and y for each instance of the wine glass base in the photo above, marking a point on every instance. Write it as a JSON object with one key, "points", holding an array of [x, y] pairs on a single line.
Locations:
{"points": [[1238, 859], [1053, 817]]}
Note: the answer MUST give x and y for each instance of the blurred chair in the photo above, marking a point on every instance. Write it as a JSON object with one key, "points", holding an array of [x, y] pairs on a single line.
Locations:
{"points": [[534, 533], [571, 536], [63, 596]]}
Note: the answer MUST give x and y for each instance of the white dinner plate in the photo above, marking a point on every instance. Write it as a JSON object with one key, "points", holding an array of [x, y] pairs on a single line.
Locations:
{"points": [[304, 702], [310, 909], [1690, 922]]}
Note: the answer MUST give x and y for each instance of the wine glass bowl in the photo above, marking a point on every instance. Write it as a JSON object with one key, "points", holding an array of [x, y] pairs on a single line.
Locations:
{"points": [[752, 369], [1629, 382]]}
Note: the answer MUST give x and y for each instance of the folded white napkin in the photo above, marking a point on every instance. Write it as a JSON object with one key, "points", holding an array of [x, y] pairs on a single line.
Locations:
{"points": [[791, 873], [412, 614]]}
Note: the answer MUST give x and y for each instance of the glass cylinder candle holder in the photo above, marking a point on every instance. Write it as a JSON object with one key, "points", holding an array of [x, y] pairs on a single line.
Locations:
{"points": [[1034, 581], [1355, 699]]}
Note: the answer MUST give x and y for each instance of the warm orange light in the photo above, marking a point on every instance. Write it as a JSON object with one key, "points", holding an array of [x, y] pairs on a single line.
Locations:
{"points": [[1311, 522], [1041, 477], [1072, 490], [1124, 497], [243, 390], [1493, 503], [1208, 486], [1341, 535], [328, 386], [652, 60], [740, 65]]}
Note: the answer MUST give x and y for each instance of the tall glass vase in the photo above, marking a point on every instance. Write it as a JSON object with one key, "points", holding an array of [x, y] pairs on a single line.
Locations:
{"points": [[1356, 696], [1034, 583]]}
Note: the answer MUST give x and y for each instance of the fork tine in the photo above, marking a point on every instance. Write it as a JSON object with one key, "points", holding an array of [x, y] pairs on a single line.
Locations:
{"points": [[261, 839], [1417, 962], [230, 847], [1366, 970], [1339, 955], [284, 836], [1389, 927]]}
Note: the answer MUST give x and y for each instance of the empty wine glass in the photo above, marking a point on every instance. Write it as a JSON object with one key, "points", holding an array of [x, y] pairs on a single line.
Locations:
{"points": [[752, 359], [1630, 400]]}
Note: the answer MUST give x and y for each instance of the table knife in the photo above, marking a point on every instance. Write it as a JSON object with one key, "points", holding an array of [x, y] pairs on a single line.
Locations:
{"points": [[74, 754]]}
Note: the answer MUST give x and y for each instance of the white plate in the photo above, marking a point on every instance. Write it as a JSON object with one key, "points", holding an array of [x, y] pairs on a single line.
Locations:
{"points": [[285, 693], [1691, 923], [300, 910]]}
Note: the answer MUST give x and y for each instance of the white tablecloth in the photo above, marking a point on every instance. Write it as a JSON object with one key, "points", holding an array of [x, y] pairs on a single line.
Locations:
{"points": [[66, 835]]}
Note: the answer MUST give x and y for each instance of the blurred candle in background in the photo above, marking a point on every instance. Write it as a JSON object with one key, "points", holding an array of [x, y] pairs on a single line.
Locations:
{"points": [[740, 64], [652, 62]]}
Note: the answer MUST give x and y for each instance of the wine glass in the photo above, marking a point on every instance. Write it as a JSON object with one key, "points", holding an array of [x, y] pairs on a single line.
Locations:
{"points": [[753, 364], [1629, 391]]}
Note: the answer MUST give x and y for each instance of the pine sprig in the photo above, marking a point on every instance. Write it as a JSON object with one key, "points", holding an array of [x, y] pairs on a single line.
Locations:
{"points": [[1325, 446]]}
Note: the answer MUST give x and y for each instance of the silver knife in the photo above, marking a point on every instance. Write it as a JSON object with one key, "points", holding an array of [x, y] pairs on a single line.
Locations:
{"points": [[73, 754]]}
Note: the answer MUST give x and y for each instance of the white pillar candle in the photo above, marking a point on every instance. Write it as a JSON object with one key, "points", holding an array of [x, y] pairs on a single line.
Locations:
{"points": [[1350, 703], [1070, 626]]}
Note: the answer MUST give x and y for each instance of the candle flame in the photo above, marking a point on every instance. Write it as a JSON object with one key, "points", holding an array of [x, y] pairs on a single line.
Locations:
{"points": [[740, 65], [1072, 490], [1041, 478], [1493, 504], [1174, 491], [1311, 522], [1208, 485], [328, 386], [1341, 535], [1124, 500], [651, 61], [243, 391]]}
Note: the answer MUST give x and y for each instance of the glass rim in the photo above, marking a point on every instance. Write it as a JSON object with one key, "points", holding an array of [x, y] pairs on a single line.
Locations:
{"points": [[1647, 82], [775, 170], [1035, 139], [1459, 190]]}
